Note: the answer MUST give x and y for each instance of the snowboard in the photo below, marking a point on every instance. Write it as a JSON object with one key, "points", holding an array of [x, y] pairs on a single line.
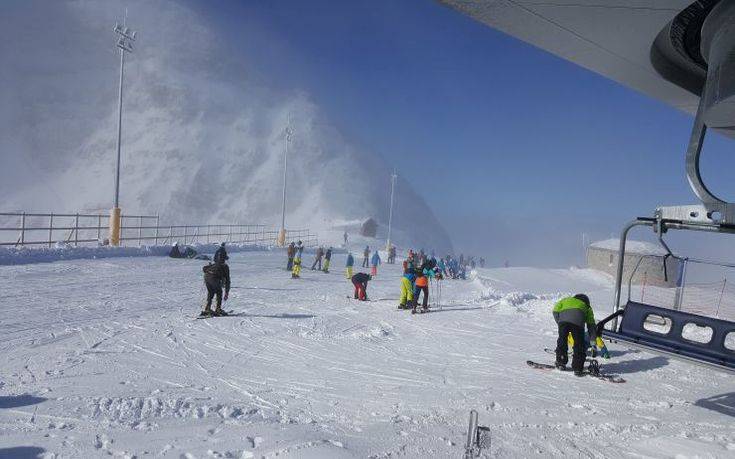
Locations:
{"points": [[213, 316], [553, 352], [595, 372]]}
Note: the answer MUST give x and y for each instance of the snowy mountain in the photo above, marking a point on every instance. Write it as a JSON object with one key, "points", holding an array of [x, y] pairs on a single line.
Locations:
{"points": [[201, 143]]}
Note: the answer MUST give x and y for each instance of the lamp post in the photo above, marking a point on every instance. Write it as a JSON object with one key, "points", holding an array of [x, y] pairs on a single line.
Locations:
{"points": [[393, 178], [125, 40], [282, 232]]}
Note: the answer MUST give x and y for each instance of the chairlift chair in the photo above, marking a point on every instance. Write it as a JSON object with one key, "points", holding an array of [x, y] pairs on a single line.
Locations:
{"points": [[627, 322]]}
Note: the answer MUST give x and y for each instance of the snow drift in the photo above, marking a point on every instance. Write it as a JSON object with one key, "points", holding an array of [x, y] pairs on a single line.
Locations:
{"points": [[200, 142]]}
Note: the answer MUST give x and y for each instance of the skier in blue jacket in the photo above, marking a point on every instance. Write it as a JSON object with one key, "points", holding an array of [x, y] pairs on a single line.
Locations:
{"points": [[350, 264], [374, 261]]}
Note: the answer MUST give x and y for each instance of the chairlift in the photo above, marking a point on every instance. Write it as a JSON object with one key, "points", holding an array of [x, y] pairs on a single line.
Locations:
{"points": [[628, 322]]}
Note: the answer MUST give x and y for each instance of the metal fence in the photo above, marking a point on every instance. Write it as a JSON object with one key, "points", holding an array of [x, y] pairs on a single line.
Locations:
{"points": [[711, 299], [37, 229]]}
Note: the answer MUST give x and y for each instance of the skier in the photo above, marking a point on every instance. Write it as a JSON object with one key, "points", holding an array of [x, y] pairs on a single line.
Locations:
{"points": [[406, 291], [220, 256], [350, 264], [366, 256], [571, 314], [375, 261], [392, 255], [175, 252], [421, 285], [318, 259], [188, 252], [442, 266], [296, 272], [482, 262], [327, 260], [360, 281], [290, 253], [216, 276]]}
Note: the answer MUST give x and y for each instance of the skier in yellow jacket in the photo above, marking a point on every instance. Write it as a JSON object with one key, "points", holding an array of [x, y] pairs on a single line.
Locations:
{"points": [[406, 291]]}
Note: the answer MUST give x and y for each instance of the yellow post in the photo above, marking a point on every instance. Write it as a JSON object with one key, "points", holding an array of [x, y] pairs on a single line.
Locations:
{"points": [[281, 238], [115, 226]]}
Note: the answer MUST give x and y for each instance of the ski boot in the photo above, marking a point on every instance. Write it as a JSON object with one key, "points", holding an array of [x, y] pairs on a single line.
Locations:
{"points": [[560, 365], [219, 313], [206, 313]]}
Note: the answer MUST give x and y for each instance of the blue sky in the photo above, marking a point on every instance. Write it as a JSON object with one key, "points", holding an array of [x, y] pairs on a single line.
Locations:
{"points": [[505, 141]]}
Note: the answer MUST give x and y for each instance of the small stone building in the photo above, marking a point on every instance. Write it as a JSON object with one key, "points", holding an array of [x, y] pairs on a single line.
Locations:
{"points": [[603, 256], [369, 228]]}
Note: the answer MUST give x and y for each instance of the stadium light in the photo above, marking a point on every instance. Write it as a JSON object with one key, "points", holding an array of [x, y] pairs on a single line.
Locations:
{"points": [[125, 40], [282, 233], [393, 178]]}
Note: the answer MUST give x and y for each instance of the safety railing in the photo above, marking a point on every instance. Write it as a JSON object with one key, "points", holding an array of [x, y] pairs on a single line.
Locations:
{"points": [[20, 229], [712, 299]]}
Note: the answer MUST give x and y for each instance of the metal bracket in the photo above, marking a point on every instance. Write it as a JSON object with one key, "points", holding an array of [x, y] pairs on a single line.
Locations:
{"points": [[713, 209]]}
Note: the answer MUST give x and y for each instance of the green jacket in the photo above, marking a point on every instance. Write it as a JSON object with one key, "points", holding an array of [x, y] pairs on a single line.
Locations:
{"points": [[572, 310]]}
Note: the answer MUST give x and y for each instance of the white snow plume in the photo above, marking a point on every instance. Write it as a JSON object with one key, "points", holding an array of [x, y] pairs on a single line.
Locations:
{"points": [[200, 142]]}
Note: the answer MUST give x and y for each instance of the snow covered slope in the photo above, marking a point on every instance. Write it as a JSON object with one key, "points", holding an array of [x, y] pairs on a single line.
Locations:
{"points": [[103, 357], [202, 143]]}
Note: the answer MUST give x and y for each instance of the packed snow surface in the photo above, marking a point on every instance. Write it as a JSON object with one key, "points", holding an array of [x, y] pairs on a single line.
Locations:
{"points": [[105, 358]]}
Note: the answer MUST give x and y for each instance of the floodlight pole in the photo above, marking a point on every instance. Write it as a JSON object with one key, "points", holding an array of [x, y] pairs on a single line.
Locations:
{"points": [[124, 42], [282, 233], [393, 178]]}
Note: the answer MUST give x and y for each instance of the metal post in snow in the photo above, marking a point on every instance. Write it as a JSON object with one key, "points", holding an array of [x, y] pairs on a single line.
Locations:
{"points": [[76, 230], [157, 223], [140, 230], [471, 436], [50, 229], [99, 226], [23, 228]]}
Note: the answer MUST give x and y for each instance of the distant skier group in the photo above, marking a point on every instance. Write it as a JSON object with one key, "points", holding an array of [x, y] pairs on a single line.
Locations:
{"points": [[419, 270]]}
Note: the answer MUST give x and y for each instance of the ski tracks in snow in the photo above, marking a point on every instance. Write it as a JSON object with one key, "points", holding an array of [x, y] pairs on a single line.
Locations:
{"points": [[301, 372]]}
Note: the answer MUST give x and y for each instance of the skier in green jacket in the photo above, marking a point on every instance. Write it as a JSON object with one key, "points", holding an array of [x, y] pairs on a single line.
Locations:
{"points": [[571, 314]]}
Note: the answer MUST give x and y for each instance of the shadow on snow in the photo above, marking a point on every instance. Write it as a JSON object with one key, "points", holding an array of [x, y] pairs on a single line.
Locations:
{"points": [[723, 403], [636, 366], [15, 401], [21, 452]]}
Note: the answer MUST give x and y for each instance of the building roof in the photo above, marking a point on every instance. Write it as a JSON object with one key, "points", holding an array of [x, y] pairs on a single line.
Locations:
{"points": [[634, 247]]}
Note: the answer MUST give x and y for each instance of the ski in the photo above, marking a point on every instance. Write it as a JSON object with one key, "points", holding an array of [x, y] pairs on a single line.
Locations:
{"points": [[200, 316], [595, 373]]}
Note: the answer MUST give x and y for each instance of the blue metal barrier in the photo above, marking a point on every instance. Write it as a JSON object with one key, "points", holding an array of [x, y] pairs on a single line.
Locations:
{"points": [[672, 342]]}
